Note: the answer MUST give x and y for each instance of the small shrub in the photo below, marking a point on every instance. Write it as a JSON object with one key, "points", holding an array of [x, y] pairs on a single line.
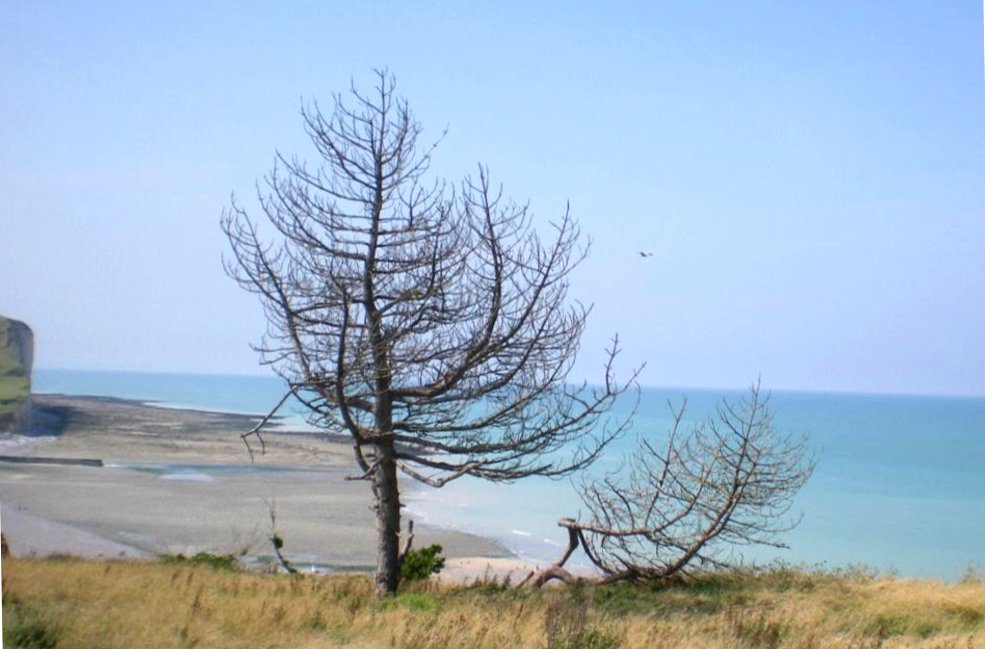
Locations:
{"points": [[214, 561], [421, 564]]}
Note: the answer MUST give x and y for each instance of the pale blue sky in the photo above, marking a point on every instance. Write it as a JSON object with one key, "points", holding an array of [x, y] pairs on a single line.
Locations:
{"points": [[810, 176]]}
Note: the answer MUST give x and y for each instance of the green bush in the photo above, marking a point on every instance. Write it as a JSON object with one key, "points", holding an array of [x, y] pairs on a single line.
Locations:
{"points": [[421, 564], [214, 561]]}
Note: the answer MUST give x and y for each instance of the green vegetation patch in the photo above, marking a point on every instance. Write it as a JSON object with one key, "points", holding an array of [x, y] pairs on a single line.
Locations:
{"points": [[411, 601], [25, 627], [214, 561], [14, 381], [421, 564]]}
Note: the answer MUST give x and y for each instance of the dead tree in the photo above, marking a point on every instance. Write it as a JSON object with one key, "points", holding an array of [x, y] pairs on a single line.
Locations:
{"points": [[429, 324], [692, 499]]}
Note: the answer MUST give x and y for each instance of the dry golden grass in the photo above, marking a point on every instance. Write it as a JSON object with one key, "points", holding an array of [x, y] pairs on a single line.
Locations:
{"points": [[102, 605]]}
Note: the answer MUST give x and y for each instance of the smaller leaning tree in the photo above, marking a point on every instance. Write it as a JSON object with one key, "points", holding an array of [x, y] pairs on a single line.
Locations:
{"points": [[430, 325], [691, 499]]}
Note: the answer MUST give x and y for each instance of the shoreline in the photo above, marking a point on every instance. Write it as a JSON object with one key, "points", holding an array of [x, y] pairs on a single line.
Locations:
{"points": [[178, 480]]}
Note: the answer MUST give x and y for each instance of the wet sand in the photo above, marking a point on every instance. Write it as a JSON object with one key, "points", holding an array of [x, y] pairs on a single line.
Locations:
{"points": [[181, 481]]}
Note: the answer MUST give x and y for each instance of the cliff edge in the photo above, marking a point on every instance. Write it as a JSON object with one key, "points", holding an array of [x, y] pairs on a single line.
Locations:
{"points": [[16, 361]]}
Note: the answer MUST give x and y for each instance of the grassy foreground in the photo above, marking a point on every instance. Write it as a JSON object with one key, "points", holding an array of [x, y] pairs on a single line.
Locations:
{"points": [[101, 605]]}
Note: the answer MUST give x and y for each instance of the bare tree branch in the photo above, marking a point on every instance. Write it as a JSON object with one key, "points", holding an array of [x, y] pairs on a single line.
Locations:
{"points": [[728, 483], [255, 431]]}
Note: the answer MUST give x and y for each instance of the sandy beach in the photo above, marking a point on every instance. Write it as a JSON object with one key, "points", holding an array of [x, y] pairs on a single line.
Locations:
{"points": [[181, 481]]}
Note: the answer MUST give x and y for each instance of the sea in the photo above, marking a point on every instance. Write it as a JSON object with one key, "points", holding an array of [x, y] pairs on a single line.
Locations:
{"points": [[899, 485]]}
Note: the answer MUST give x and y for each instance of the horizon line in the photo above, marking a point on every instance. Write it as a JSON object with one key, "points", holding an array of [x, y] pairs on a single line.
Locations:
{"points": [[644, 386]]}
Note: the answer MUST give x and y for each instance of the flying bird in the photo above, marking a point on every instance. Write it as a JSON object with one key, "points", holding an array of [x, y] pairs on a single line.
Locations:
{"points": [[645, 254]]}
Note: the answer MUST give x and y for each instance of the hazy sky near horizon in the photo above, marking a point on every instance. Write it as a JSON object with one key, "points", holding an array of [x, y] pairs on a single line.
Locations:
{"points": [[809, 176]]}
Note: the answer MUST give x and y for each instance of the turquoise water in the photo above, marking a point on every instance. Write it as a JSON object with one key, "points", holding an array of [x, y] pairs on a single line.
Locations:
{"points": [[900, 482]]}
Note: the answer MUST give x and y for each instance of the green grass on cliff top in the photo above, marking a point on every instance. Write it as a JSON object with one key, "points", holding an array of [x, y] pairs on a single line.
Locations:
{"points": [[13, 380]]}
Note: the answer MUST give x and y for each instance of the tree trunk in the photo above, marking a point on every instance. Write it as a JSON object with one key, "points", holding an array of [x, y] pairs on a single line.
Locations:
{"points": [[387, 521]]}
